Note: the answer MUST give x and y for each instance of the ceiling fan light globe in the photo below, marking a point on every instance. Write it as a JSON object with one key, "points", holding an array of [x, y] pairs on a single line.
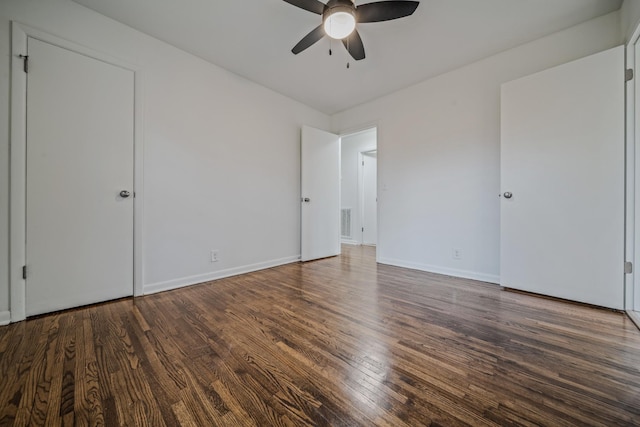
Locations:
{"points": [[339, 24]]}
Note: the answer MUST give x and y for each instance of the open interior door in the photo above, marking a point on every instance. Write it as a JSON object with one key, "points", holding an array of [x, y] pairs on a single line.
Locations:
{"points": [[562, 178], [320, 198]]}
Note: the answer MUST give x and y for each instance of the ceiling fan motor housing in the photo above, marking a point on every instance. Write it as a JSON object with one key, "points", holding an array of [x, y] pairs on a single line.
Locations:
{"points": [[334, 6]]}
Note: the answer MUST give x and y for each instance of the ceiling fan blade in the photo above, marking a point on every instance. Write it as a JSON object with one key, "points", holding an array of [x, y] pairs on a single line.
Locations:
{"points": [[311, 5], [384, 10], [315, 35], [354, 45]]}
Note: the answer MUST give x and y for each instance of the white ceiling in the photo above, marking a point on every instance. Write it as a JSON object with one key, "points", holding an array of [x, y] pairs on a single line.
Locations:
{"points": [[253, 38]]}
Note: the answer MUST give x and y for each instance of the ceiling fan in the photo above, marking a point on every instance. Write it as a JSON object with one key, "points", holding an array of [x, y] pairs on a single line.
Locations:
{"points": [[339, 19]]}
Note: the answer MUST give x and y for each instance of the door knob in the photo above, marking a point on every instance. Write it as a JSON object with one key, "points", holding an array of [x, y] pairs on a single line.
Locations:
{"points": [[306, 200], [124, 194], [507, 195]]}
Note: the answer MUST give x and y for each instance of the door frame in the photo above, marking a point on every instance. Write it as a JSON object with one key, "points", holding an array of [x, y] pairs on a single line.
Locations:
{"points": [[632, 211], [18, 161], [361, 190]]}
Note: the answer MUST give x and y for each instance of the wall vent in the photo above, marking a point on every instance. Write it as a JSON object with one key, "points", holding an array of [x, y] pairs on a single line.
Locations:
{"points": [[345, 223]]}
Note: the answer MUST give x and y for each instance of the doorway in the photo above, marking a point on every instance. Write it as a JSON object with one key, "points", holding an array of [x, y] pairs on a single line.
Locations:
{"points": [[359, 211]]}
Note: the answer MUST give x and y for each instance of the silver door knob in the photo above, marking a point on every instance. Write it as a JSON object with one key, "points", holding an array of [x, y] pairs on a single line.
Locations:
{"points": [[124, 194], [507, 195]]}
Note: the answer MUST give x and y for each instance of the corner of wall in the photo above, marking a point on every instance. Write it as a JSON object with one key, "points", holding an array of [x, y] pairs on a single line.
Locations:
{"points": [[629, 18]]}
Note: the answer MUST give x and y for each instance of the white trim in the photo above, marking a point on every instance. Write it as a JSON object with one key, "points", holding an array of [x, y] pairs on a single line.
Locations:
{"points": [[632, 127], [5, 318], [215, 275], [17, 165], [350, 242], [635, 317], [465, 274], [70, 45], [380, 198], [138, 186], [629, 180], [17, 199], [354, 130]]}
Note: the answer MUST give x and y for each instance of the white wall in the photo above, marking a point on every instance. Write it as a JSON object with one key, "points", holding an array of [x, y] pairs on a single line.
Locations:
{"points": [[221, 154], [439, 154], [351, 146], [629, 17]]}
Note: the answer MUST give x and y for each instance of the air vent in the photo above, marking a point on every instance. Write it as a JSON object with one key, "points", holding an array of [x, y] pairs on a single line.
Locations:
{"points": [[345, 223]]}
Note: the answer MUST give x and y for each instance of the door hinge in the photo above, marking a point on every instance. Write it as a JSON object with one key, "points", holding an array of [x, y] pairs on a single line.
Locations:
{"points": [[25, 62], [24, 271], [628, 74], [628, 267], [363, 229]]}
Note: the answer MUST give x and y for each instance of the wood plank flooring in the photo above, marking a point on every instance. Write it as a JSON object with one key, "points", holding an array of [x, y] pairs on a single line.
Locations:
{"points": [[340, 341]]}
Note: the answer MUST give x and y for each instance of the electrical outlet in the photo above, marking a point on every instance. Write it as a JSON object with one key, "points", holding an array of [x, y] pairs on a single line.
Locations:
{"points": [[215, 255], [456, 253]]}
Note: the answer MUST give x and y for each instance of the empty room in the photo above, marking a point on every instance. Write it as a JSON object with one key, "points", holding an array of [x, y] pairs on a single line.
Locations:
{"points": [[319, 213]]}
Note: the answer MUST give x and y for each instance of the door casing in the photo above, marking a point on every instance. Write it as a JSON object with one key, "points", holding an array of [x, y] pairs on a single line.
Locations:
{"points": [[632, 211], [365, 157]]}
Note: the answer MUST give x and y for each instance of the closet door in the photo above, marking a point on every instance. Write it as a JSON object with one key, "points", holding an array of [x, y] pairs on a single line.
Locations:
{"points": [[79, 222], [562, 181]]}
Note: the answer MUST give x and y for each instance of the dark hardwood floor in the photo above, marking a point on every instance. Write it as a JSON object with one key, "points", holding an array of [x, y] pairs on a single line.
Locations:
{"points": [[340, 341]]}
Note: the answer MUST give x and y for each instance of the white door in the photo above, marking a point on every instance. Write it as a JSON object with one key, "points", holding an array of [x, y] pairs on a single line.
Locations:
{"points": [[320, 198], [370, 198], [562, 160], [79, 245]]}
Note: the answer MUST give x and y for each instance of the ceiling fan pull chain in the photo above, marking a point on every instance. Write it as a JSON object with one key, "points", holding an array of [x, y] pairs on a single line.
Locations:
{"points": [[348, 50]]}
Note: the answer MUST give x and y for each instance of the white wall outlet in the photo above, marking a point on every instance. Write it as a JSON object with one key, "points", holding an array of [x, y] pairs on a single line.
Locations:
{"points": [[456, 253], [215, 255]]}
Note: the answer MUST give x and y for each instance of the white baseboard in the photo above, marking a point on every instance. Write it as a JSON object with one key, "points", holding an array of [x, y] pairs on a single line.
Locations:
{"points": [[5, 318], [635, 317], [201, 278], [465, 274], [349, 242]]}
